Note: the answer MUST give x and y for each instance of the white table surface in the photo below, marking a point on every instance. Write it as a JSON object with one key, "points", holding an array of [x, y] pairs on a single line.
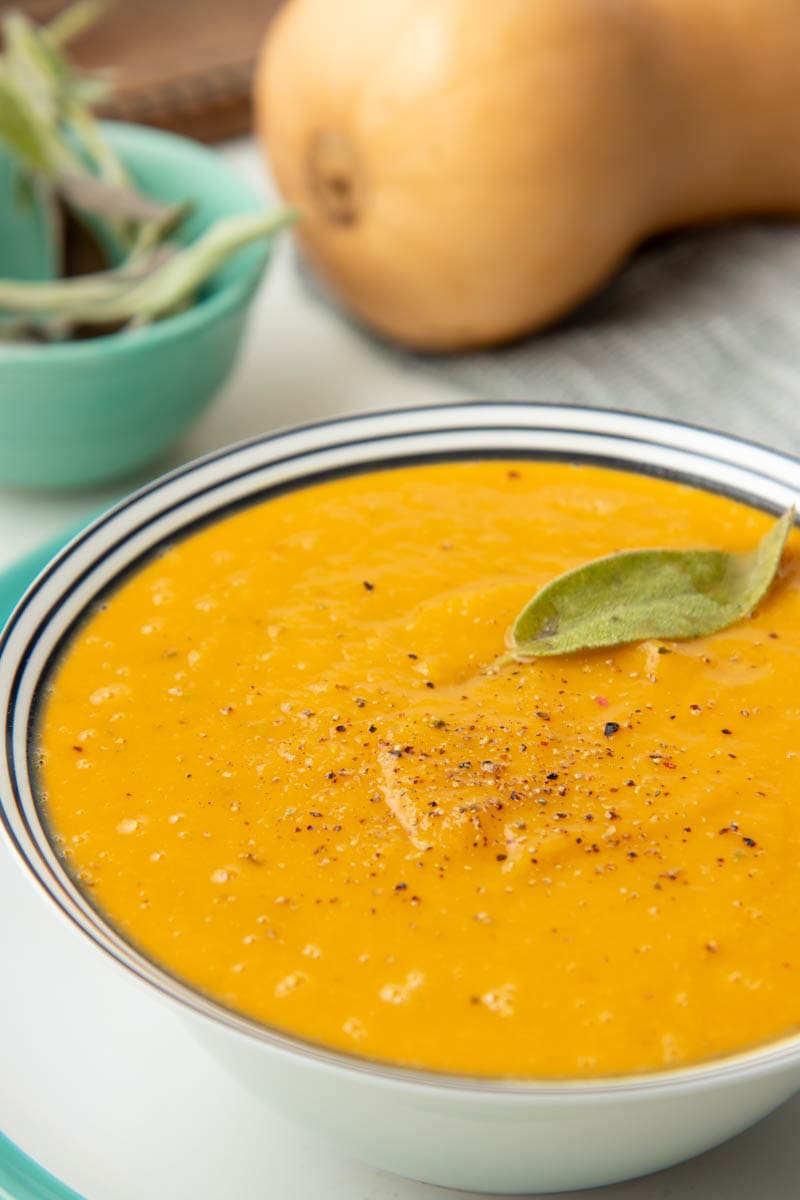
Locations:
{"points": [[98, 1079]]}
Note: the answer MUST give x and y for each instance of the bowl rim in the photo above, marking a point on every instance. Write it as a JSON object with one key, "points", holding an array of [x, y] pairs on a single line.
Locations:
{"points": [[771, 477], [137, 141]]}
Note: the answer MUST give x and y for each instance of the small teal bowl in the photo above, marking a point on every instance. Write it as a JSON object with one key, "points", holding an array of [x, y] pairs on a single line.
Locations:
{"points": [[79, 413]]}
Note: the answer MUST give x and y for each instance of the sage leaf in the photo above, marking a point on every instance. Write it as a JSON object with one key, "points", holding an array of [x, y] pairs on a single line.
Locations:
{"points": [[45, 116], [76, 19], [47, 124], [639, 594], [103, 199], [19, 128], [142, 290]]}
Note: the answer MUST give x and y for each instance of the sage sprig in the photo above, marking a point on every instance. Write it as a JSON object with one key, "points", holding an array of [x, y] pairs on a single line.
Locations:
{"points": [[65, 162], [46, 118], [640, 594], [144, 288]]}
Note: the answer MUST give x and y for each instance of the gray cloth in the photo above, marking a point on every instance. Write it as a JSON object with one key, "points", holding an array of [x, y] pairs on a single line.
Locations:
{"points": [[702, 327]]}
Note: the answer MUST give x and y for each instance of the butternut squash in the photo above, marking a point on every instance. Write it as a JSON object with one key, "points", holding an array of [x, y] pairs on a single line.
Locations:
{"points": [[469, 172]]}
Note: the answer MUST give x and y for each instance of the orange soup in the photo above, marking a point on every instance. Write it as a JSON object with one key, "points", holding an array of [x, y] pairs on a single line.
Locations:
{"points": [[275, 759]]}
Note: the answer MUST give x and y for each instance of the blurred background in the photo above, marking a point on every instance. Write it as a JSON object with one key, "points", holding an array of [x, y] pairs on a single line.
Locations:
{"points": [[700, 323], [184, 65]]}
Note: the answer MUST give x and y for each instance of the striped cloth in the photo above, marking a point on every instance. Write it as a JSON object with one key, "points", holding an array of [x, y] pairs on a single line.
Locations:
{"points": [[702, 327]]}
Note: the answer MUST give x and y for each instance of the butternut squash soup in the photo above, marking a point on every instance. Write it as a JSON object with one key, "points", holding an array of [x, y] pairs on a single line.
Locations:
{"points": [[276, 758]]}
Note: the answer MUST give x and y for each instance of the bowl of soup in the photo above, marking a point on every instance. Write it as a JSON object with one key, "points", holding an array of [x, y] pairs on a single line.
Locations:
{"points": [[495, 925]]}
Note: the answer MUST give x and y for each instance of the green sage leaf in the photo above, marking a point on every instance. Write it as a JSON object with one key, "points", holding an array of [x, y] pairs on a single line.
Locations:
{"points": [[76, 19], [142, 289], [96, 196], [46, 122], [20, 129], [639, 594]]}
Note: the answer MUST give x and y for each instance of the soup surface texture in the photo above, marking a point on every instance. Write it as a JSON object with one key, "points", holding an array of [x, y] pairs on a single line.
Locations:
{"points": [[274, 758]]}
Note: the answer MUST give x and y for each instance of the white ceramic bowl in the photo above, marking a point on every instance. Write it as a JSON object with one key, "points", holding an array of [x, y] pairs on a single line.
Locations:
{"points": [[488, 1135]]}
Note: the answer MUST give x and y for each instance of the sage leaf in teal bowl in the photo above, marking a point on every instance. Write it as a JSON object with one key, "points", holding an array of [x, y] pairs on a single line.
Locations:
{"points": [[78, 413]]}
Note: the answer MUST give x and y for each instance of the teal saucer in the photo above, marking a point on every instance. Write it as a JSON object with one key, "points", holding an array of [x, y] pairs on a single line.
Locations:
{"points": [[15, 579], [23, 1179]]}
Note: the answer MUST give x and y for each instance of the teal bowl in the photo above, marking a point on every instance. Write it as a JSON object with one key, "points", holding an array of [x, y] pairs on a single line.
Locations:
{"points": [[79, 413]]}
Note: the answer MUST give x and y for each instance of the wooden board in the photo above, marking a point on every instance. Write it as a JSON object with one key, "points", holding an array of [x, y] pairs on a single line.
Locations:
{"points": [[185, 65]]}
